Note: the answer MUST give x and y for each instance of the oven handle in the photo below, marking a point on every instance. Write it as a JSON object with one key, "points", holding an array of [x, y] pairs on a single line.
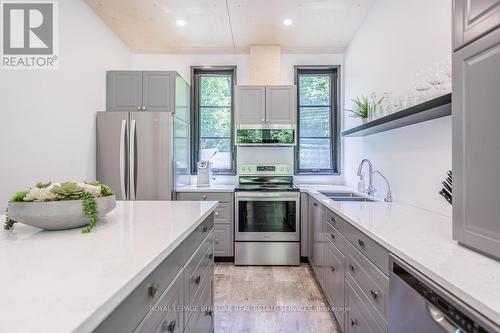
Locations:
{"points": [[271, 195]]}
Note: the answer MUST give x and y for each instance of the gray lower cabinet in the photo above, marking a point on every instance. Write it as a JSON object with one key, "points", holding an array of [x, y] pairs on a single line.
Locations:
{"points": [[304, 225], [154, 91], [317, 255], [223, 219], [172, 297], [476, 144], [473, 19], [352, 270]]}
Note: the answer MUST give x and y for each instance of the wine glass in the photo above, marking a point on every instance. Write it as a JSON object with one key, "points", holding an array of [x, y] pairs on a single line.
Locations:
{"points": [[437, 78], [421, 86]]}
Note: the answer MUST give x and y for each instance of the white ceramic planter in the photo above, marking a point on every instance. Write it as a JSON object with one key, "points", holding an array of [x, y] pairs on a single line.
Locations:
{"points": [[57, 215]]}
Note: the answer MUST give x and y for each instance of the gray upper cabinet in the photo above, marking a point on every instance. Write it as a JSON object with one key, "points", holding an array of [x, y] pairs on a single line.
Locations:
{"points": [[280, 104], [158, 90], [472, 19], [266, 105], [123, 91], [251, 104], [476, 144], [154, 91]]}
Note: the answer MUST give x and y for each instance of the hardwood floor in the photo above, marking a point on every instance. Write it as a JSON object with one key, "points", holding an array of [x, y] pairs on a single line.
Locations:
{"points": [[251, 299]]}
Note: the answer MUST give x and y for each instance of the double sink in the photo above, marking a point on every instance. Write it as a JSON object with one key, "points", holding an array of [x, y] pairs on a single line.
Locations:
{"points": [[346, 196]]}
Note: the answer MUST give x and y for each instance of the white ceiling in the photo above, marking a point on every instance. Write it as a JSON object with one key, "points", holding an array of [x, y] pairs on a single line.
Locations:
{"points": [[232, 26]]}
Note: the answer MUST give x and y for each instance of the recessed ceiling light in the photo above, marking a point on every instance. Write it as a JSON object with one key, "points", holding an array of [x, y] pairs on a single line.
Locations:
{"points": [[180, 23], [287, 21]]}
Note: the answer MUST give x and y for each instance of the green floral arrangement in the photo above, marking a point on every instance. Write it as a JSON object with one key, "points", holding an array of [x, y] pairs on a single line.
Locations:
{"points": [[45, 192]]}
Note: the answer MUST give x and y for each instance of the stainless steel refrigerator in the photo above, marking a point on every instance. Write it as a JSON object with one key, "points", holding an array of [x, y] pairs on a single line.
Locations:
{"points": [[142, 155]]}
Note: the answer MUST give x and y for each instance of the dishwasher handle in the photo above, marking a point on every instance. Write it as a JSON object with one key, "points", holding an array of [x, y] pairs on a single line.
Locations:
{"points": [[442, 320]]}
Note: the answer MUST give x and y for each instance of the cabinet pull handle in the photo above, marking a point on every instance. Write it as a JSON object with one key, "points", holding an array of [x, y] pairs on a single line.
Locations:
{"points": [[332, 219], [210, 256], [315, 204], [217, 241], [351, 267], [332, 268], [204, 197], [209, 313], [333, 236], [197, 280], [374, 294], [144, 108], [139, 108], [216, 213], [168, 326], [361, 242], [205, 228], [354, 322], [153, 289], [263, 120]]}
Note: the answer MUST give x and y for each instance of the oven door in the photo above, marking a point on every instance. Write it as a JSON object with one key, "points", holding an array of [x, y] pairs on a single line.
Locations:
{"points": [[267, 216]]}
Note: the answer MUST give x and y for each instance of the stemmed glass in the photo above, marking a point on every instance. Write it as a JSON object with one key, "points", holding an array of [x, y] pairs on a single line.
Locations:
{"points": [[422, 86]]}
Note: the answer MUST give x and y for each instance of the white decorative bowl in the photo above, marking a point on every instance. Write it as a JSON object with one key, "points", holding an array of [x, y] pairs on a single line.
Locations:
{"points": [[57, 215]]}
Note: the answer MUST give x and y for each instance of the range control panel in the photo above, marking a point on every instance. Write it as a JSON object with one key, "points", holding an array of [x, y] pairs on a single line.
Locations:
{"points": [[266, 170]]}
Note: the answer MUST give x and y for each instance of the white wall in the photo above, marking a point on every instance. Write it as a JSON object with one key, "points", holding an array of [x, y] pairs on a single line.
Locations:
{"points": [[182, 64], [48, 117], [397, 39]]}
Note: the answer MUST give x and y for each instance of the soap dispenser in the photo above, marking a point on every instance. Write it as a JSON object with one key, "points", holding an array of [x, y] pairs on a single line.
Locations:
{"points": [[361, 184]]}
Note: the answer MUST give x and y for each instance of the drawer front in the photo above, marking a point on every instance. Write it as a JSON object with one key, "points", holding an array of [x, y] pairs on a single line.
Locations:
{"points": [[197, 268], [358, 318], [165, 315], [223, 235], [129, 314], [373, 283], [202, 315], [335, 237], [371, 249], [334, 281], [223, 214], [208, 196], [197, 236], [336, 221]]}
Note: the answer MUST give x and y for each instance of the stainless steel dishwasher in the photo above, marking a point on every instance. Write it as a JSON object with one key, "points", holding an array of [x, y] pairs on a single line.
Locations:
{"points": [[419, 305]]}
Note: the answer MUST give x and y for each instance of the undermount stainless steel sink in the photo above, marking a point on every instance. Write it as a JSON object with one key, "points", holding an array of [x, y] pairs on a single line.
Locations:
{"points": [[346, 196]]}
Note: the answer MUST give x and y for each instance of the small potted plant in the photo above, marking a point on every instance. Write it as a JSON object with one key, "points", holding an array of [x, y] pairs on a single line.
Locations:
{"points": [[61, 205], [364, 108]]}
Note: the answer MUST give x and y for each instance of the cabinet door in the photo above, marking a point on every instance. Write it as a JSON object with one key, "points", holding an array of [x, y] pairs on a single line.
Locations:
{"points": [[251, 105], [472, 19], [223, 240], [476, 144], [304, 225], [158, 91], [123, 91], [281, 104], [182, 102], [334, 281], [318, 254]]}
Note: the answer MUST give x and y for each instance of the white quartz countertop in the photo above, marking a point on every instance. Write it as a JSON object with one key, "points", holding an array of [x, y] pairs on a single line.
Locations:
{"points": [[424, 240], [211, 188], [66, 281]]}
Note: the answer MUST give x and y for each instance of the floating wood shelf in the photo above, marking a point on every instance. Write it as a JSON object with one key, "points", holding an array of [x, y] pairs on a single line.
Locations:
{"points": [[432, 109]]}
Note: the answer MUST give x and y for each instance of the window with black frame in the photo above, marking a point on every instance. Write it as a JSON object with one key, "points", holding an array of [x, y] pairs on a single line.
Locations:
{"points": [[318, 146], [212, 117]]}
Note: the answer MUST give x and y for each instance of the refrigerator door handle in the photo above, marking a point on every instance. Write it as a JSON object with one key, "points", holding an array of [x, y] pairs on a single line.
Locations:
{"points": [[132, 160], [122, 159]]}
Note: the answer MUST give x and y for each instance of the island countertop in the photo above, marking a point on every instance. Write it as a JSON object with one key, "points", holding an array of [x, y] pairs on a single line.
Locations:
{"points": [[66, 281]]}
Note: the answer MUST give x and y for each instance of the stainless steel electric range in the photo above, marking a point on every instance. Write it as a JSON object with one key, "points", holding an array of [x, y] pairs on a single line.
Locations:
{"points": [[267, 216]]}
